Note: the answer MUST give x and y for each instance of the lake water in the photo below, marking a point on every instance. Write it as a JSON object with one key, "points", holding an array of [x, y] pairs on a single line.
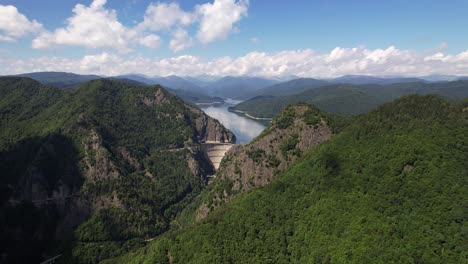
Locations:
{"points": [[245, 129]]}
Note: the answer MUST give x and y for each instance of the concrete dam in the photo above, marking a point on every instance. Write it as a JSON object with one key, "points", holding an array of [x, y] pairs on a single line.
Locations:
{"points": [[215, 152]]}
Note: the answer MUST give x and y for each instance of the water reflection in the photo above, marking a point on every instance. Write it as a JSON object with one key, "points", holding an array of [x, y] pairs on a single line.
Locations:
{"points": [[245, 129]]}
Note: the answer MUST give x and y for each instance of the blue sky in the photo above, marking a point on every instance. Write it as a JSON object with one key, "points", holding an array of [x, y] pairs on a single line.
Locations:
{"points": [[367, 36]]}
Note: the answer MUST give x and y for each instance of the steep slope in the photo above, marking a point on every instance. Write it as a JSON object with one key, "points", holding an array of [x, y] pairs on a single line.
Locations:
{"points": [[120, 160], [351, 99], [298, 129], [391, 187]]}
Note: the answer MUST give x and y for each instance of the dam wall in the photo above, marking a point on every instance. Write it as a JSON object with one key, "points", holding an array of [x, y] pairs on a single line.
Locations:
{"points": [[215, 152]]}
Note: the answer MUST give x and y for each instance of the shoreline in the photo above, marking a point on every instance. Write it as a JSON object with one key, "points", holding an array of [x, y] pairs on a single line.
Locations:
{"points": [[210, 103], [250, 116]]}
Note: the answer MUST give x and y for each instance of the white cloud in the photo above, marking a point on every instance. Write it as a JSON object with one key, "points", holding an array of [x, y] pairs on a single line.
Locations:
{"points": [[217, 19], [180, 40], [303, 63], [151, 41], [14, 25], [162, 16], [96, 27], [91, 27]]}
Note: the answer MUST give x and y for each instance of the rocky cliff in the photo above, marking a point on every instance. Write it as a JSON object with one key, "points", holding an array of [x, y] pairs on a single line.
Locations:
{"points": [[295, 131]]}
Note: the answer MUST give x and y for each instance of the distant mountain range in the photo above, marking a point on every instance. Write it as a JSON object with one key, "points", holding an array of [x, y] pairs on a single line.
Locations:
{"points": [[203, 89], [349, 99], [361, 79], [60, 79]]}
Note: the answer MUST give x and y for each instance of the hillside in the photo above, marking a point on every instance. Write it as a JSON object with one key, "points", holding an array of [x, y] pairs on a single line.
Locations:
{"points": [[93, 171], [292, 87], [294, 132], [390, 188], [348, 99]]}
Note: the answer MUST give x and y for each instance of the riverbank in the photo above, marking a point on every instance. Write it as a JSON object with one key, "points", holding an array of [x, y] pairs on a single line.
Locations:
{"points": [[210, 103], [249, 116]]}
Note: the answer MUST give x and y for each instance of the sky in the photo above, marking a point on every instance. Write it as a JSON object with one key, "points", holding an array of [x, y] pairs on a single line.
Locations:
{"points": [[265, 38]]}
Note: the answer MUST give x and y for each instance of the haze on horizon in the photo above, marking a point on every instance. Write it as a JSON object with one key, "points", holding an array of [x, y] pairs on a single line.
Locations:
{"points": [[235, 37]]}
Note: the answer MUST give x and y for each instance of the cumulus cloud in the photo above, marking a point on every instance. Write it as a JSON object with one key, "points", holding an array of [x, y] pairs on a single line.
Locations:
{"points": [[161, 16], [151, 41], [304, 63], [96, 27], [180, 40], [92, 27], [14, 25], [217, 19]]}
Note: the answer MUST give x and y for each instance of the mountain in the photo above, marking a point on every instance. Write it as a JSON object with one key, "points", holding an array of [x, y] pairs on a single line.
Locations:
{"points": [[340, 99], [201, 81], [440, 78], [238, 88], [292, 87], [92, 172], [390, 187], [137, 77], [60, 79], [196, 97], [350, 99], [297, 130], [363, 79], [177, 83]]}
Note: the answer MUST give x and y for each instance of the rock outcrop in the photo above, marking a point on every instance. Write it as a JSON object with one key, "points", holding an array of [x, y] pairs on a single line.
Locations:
{"points": [[211, 130], [295, 131]]}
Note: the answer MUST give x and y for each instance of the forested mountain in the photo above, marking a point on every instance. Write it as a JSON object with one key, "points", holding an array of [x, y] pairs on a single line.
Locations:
{"points": [[363, 79], [349, 99], [60, 79], [389, 188], [93, 171], [238, 88], [294, 132], [292, 87]]}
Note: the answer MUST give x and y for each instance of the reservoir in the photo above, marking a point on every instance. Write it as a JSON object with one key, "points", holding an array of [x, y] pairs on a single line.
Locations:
{"points": [[244, 128]]}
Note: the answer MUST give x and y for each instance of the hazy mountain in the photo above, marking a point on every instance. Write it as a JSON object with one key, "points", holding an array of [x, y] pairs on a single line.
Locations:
{"points": [[350, 99], [440, 78], [137, 77], [201, 81], [292, 87], [178, 83], [340, 99], [363, 79], [60, 79], [238, 87]]}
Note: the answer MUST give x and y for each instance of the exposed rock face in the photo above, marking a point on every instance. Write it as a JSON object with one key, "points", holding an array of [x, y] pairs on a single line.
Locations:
{"points": [[206, 128], [210, 130], [249, 166]]}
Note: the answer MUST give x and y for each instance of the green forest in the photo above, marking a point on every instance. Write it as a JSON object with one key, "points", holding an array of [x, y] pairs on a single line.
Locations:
{"points": [[113, 172], [101, 155], [390, 188]]}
